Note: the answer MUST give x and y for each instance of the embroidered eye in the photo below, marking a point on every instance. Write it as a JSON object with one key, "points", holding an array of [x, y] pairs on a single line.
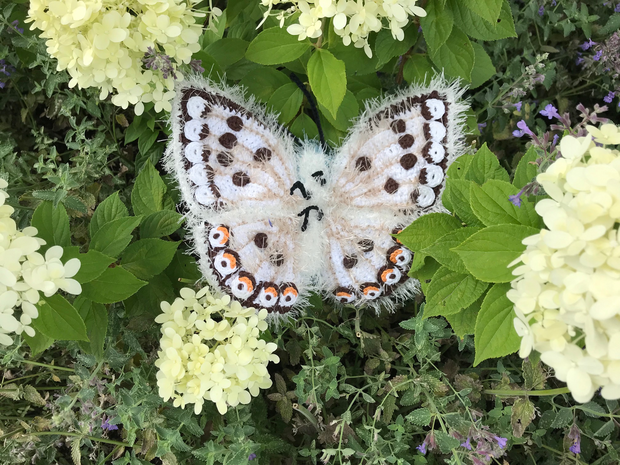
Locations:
{"points": [[288, 295], [371, 290], [242, 285], [434, 152], [267, 296], [423, 197], [434, 130], [389, 275], [198, 174], [219, 236], [226, 262], [431, 175], [433, 109], [195, 106], [205, 196], [344, 295], [399, 255], [195, 130]]}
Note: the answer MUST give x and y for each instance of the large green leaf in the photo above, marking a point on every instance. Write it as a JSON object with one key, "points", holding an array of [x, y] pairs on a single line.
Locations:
{"points": [[491, 205], [227, 51], [110, 209], [147, 195], [286, 102], [95, 318], [59, 320], [264, 81], [147, 257], [93, 264], [112, 238], [304, 127], [275, 46], [526, 169], [348, 111], [424, 231], [464, 321], [387, 47], [485, 166], [487, 9], [161, 223], [39, 342], [52, 224], [328, 79], [436, 25], [458, 193], [114, 285], [418, 69], [148, 299], [483, 66], [476, 27], [441, 252], [456, 56], [495, 335], [449, 292], [487, 253]]}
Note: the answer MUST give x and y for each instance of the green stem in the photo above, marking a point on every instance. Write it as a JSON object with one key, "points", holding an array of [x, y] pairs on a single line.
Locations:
{"points": [[78, 435], [38, 364], [515, 393]]}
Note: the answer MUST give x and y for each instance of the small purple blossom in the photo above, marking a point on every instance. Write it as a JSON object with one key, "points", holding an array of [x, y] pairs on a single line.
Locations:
{"points": [[550, 112], [518, 106], [597, 56], [467, 444], [617, 9], [575, 435], [523, 129], [422, 448], [556, 137], [18, 29], [553, 3], [609, 97], [501, 442], [541, 11], [107, 426], [579, 59], [515, 199], [481, 126], [252, 456], [196, 65], [587, 45]]}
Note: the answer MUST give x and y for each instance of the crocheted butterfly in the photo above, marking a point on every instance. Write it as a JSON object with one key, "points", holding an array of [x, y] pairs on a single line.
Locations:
{"points": [[272, 221]]}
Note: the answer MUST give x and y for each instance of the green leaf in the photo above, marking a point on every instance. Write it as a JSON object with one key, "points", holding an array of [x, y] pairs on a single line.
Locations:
{"points": [[114, 285], [148, 257], [523, 412], [464, 322], [485, 166], [328, 79], [114, 236], [441, 252], [418, 69], [135, 130], [420, 417], [275, 46], [146, 141], [161, 223], [95, 318], [436, 25], [147, 195], [458, 169], [52, 225], [449, 292], [425, 230], [263, 82], [59, 320], [208, 63], [356, 61], [456, 56], [348, 111], [474, 26], [487, 253], [304, 127], [112, 208], [147, 299], [458, 191], [487, 9], [93, 264], [38, 343], [286, 102], [526, 169], [387, 47], [227, 51], [446, 442], [495, 335], [491, 205], [483, 66]]}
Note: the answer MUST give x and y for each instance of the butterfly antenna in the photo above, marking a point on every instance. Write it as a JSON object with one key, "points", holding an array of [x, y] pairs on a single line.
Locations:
{"points": [[313, 107]]}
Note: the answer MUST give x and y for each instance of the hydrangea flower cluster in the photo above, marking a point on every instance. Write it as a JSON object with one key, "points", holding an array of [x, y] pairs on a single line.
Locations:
{"points": [[24, 273], [567, 292], [102, 43], [211, 350], [352, 20]]}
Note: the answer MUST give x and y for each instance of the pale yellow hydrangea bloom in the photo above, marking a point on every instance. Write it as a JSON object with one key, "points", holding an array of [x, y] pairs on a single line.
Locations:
{"points": [[352, 20], [567, 292], [102, 43], [25, 273], [211, 350]]}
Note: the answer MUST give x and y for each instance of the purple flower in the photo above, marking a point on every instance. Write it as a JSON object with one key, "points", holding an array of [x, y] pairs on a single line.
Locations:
{"points": [[518, 106], [18, 29], [422, 448], [553, 3], [481, 126], [523, 130], [575, 435], [587, 45], [609, 97], [196, 65], [598, 55], [501, 442], [617, 9], [467, 444], [556, 137], [579, 59], [550, 112], [252, 456], [541, 11], [107, 426], [515, 199]]}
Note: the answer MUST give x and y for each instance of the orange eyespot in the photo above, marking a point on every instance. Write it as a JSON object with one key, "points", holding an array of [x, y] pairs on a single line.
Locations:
{"points": [[226, 262], [385, 276], [288, 294], [394, 255], [219, 236], [232, 260], [248, 283], [267, 296], [396, 231], [290, 291], [343, 294], [272, 291], [368, 290]]}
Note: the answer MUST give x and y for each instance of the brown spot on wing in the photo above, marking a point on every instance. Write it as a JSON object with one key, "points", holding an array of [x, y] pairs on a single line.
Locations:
{"points": [[260, 240], [406, 141], [349, 261], [262, 155], [366, 245], [363, 164], [398, 126], [391, 186], [235, 123], [228, 140], [408, 161], [240, 179], [225, 159]]}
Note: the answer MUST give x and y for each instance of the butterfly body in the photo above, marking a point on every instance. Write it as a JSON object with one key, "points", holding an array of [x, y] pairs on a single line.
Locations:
{"points": [[273, 221]]}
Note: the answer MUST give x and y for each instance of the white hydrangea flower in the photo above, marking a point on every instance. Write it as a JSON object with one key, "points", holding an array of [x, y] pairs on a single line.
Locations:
{"points": [[211, 350], [24, 273], [352, 20], [111, 45], [566, 294]]}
